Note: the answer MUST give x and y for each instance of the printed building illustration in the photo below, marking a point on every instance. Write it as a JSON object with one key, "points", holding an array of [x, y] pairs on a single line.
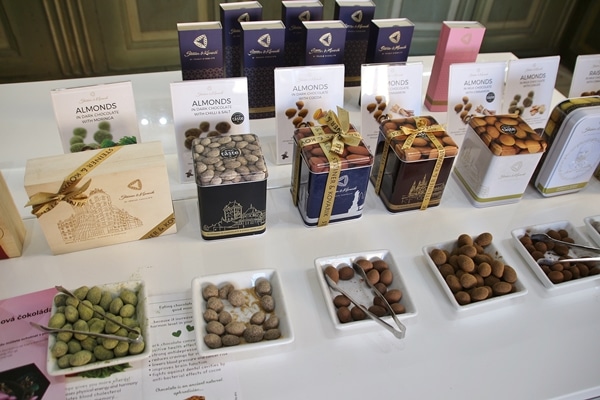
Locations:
{"points": [[234, 217], [416, 194], [97, 218]]}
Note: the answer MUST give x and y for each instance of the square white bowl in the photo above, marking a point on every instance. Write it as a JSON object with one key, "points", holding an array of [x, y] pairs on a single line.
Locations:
{"points": [[241, 280], [574, 233], [491, 303], [359, 290], [593, 228], [141, 316]]}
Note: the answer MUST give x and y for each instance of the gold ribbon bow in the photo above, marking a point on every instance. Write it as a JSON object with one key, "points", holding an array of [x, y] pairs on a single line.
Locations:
{"points": [[333, 146], [422, 129], [43, 202]]}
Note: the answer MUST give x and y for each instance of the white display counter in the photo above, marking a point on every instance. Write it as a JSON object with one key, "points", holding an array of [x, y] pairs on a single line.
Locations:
{"points": [[542, 346]]}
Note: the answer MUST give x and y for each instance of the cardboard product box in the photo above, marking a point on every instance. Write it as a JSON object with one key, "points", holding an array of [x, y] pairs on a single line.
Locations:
{"points": [[201, 50], [232, 14], [263, 47], [293, 13], [475, 90], [573, 137], [586, 76], [206, 107], [388, 91], [498, 157], [330, 171], [529, 89], [324, 42], [413, 161], [459, 42], [389, 40], [101, 197], [233, 201], [299, 92], [357, 16], [12, 229], [90, 117]]}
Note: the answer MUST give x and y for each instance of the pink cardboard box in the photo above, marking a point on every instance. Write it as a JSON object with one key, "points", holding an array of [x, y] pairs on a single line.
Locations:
{"points": [[459, 43]]}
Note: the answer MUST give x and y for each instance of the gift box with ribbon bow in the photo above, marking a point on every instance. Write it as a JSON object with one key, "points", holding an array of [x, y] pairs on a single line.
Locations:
{"points": [[330, 170], [413, 160], [101, 197]]}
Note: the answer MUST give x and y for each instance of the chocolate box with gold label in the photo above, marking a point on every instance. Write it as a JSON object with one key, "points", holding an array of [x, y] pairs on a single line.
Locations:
{"points": [[330, 171], [498, 157], [101, 197], [231, 176], [413, 161]]}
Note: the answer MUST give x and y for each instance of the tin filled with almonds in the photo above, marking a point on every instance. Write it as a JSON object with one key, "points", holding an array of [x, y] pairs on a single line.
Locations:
{"points": [[413, 160], [498, 157], [231, 176], [330, 170]]}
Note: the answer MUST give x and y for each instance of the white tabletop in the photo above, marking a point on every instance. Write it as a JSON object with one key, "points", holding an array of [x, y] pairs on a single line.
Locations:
{"points": [[543, 346]]}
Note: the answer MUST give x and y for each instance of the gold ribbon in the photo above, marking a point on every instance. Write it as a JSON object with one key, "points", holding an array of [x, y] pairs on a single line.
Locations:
{"points": [[43, 202], [422, 129], [333, 146]]}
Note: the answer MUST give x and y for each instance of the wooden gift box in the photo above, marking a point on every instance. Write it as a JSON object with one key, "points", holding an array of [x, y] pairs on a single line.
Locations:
{"points": [[12, 229], [101, 197]]}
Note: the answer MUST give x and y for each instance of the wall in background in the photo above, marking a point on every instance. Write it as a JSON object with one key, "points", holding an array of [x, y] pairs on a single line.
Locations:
{"points": [[79, 38]]}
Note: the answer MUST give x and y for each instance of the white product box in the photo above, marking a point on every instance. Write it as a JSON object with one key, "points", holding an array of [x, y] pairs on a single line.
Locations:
{"points": [[586, 76], [299, 92], [388, 91], [475, 89], [529, 88], [88, 115], [206, 108]]}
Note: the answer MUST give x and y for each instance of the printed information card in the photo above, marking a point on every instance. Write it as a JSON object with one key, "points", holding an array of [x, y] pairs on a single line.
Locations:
{"points": [[475, 90], [586, 76], [529, 88], [23, 349], [299, 92], [388, 91], [97, 116]]}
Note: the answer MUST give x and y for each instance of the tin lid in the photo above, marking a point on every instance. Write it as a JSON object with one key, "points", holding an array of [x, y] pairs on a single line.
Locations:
{"points": [[575, 152], [410, 138], [227, 159], [317, 161], [507, 135]]}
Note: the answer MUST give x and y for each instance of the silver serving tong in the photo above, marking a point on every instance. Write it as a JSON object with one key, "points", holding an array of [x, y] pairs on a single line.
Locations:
{"points": [[47, 329], [552, 261], [139, 338], [545, 238], [334, 286], [375, 291]]}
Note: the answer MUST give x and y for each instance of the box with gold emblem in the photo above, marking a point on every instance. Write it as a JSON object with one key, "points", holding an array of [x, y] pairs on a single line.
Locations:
{"points": [[12, 229], [413, 160], [101, 197], [330, 170], [498, 157]]}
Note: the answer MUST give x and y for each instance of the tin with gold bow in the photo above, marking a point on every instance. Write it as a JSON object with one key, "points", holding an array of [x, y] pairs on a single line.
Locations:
{"points": [[330, 170], [101, 197], [413, 161]]}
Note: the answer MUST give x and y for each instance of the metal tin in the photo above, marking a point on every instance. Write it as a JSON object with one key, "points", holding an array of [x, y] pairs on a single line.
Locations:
{"points": [[573, 136], [311, 170], [407, 173], [231, 176], [498, 157]]}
